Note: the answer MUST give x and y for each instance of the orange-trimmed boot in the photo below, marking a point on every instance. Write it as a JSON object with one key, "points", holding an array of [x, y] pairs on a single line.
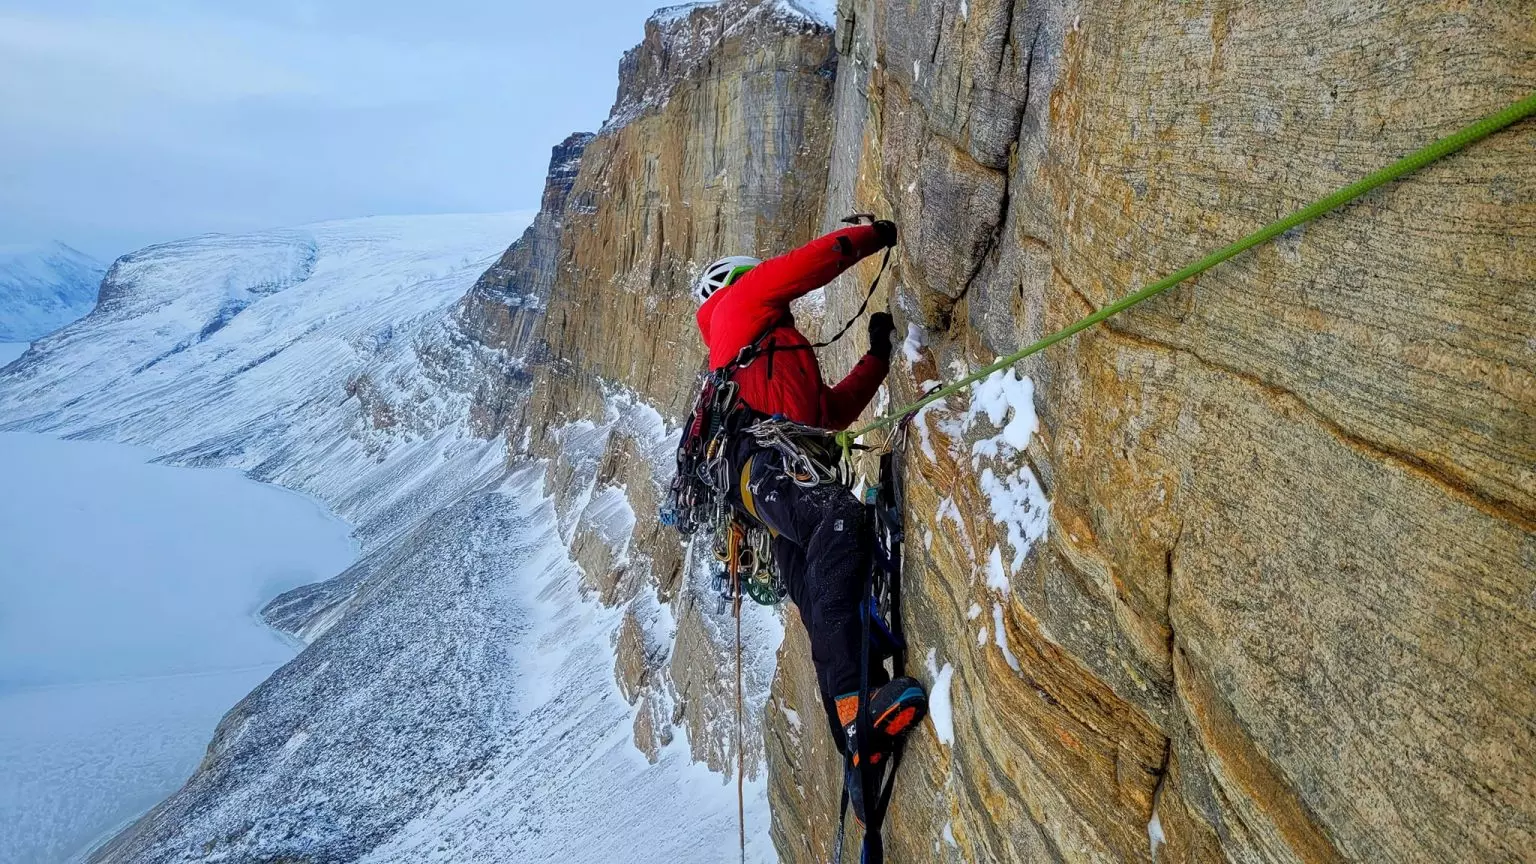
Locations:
{"points": [[894, 708]]}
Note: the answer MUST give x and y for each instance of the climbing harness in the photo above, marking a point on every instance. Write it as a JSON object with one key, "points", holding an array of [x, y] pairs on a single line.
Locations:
{"points": [[880, 622], [1407, 165]]}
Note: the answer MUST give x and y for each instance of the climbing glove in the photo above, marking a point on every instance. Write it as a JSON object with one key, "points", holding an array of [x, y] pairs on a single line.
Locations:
{"points": [[885, 229], [881, 326]]}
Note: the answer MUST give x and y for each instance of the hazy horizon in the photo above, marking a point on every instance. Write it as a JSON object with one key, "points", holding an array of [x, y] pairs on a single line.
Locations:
{"points": [[131, 123]]}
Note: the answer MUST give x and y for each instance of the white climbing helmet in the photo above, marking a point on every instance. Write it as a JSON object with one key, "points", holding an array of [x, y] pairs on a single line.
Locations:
{"points": [[722, 273]]}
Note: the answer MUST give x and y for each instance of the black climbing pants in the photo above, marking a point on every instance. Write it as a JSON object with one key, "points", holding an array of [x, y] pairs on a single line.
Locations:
{"points": [[822, 551]]}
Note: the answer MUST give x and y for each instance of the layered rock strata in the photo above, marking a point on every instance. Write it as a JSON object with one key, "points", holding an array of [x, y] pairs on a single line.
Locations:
{"points": [[1282, 608]]}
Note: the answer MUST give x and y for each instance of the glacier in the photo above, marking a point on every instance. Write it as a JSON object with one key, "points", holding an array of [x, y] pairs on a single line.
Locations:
{"points": [[456, 699], [43, 288], [130, 592]]}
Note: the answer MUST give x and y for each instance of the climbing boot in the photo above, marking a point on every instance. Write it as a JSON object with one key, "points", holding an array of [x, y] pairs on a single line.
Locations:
{"points": [[855, 785], [879, 751], [894, 709], [897, 707]]}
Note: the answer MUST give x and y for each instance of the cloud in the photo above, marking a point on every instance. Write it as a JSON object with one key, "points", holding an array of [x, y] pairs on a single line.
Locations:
{"points": [[185, 61]]}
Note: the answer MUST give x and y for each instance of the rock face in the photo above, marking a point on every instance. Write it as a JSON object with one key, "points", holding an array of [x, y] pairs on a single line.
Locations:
{"points": [[506, 307], [1284, 600], [718, 140]]}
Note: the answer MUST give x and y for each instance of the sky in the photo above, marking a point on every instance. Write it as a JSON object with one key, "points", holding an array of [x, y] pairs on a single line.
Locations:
{"points": [[130, 122]]}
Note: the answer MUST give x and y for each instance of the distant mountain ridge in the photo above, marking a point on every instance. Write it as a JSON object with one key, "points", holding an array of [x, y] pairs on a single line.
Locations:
{"points": [[44, 287]]}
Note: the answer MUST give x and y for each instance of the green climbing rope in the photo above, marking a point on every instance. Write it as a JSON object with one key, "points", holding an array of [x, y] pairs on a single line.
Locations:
{"points": [[1438, 150]]}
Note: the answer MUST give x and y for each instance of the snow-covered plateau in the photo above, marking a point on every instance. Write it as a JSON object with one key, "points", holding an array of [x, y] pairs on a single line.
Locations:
{"points": [[456, 700]]}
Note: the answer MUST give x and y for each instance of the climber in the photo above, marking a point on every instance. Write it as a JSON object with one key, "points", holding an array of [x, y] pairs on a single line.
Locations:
{"points": [[821, 543]]}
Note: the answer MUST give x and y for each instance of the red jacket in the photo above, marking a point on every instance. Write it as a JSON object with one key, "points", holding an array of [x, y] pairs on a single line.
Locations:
{"points": [[789, 382]]}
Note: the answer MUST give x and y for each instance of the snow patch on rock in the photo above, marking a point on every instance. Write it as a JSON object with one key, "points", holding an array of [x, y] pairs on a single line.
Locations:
{"points": [[1008, 403], [997, 577], [912, 346], [1018, 503], [940, 708]]}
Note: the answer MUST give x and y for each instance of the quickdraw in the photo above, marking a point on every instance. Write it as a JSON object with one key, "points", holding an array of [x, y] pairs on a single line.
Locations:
{"points": [[744, 550], [810, 456]]}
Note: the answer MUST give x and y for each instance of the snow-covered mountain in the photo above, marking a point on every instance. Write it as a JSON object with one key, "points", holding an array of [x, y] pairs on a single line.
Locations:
{"points": [[243, 351], [457, 701], [43, 288]]}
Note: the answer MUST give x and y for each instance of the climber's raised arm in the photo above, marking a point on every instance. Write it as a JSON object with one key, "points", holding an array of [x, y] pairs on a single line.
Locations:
{"points": [[777, 281]]}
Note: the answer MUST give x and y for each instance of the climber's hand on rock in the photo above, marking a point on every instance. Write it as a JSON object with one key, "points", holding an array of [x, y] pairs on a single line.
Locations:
{"points": [[881, 326], [886, 230]]}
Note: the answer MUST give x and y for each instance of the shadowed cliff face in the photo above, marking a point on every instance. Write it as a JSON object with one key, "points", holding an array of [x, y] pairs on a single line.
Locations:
{"points": [[505, 309]]}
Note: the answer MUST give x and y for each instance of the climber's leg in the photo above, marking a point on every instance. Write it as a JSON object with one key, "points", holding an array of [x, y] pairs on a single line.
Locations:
{"points": [[828, 526], [790, 561]]}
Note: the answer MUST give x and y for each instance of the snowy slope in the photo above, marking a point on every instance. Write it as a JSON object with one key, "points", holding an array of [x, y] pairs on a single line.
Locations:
{"points": [[457, 700], [43, 288], [239, 351], [463, 710]]}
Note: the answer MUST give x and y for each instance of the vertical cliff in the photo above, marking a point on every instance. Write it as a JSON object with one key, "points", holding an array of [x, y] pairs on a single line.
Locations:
{"points": [[1281, 609], [1243, 575], [718, 139]]}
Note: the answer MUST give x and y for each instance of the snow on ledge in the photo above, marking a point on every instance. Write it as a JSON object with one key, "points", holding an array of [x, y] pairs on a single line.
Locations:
{"points": [[815, 11], [913, 345], [672, 14], [1001, 637]]}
